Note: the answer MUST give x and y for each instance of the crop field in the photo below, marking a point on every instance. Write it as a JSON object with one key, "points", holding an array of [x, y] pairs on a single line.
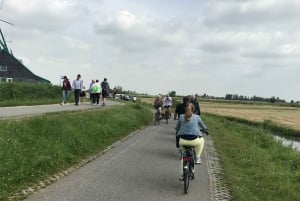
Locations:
{"points": [[281, 115], [286, 116]]}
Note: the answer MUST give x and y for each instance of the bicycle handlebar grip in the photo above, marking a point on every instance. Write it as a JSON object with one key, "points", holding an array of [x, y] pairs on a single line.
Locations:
{"points": [[205, 131]]}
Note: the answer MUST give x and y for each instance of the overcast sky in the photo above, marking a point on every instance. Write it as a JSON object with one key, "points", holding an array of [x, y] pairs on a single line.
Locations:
{"points": [[217, 47]]}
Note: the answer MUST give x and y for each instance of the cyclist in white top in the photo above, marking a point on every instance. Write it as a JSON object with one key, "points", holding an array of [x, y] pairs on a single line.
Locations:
{"points": [[167, 103]]}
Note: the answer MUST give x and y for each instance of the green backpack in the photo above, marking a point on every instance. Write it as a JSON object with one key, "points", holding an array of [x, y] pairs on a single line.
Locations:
{"points": [[95, 89]]}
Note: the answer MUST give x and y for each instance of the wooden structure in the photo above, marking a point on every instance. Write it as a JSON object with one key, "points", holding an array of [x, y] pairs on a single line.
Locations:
{"points": [[12, 69]]}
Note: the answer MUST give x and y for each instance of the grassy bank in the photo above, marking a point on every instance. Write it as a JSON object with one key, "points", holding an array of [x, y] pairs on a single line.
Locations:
{"points": [[34, 148], [255, 166], [281, 130], [13, 94]]}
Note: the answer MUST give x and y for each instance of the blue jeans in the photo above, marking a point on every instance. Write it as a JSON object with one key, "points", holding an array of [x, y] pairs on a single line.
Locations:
{"points": [[65, 96]]}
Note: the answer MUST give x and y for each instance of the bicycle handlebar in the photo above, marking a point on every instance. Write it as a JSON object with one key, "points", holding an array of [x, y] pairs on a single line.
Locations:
{"points": [[204, 131]]}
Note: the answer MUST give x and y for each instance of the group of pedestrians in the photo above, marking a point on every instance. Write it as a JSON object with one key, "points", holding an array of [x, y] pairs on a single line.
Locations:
{"points": [[96, 90], [180, 109]]}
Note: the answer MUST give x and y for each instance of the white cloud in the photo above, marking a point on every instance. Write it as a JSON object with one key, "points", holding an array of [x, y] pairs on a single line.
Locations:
{"points": [[249, 47], [45, 16]]}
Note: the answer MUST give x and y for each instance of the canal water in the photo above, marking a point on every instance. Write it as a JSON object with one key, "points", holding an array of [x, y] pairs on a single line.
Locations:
{"points": [[293, 143]]}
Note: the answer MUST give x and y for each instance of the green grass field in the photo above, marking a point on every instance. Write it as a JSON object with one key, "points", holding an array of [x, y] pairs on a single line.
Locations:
{"points": [[256, 167]]}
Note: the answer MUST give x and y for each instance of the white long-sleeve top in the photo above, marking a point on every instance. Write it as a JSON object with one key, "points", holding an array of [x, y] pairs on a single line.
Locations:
{"points": [[96, 88]]}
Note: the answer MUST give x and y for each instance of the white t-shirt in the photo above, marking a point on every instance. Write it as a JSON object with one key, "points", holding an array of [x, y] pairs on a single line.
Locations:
{"points": [[167, 101]]}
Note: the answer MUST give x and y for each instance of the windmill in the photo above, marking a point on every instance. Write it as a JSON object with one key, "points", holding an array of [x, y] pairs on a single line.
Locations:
{"points": [[2, 20], [2, 40]]}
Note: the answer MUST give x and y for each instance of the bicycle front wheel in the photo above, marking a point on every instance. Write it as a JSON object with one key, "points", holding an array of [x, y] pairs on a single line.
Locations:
{"points": [[167, 116], [157, 114], [186, 178]]}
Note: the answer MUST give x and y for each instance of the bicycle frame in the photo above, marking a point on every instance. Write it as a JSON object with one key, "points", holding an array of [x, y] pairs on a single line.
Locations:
{"points": [[188, 166]]}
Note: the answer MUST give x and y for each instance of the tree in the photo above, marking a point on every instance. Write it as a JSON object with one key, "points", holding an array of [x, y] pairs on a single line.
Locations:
{"points": [[172, 93], [228, 96], [272, 99]]}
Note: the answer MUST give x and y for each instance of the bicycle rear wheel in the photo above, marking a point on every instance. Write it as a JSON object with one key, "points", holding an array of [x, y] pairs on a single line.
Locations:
{"points": [[186, 177], [167, 116]]}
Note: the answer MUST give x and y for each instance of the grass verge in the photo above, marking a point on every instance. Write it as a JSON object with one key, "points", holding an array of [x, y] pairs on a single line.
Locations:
{"points": [[256, 167], [32, 149], [13, 94]]}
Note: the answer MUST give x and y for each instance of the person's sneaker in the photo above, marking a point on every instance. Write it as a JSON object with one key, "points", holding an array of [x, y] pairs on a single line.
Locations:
{"points": [[198, 161], [62, 103], [67, 103]]}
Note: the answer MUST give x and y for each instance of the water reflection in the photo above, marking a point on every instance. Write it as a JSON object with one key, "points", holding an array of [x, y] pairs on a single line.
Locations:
{"points": [[286, 142]]}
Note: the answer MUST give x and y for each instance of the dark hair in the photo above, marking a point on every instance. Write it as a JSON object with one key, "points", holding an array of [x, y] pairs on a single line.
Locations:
{"points": [[105, 79], [185, 99]]}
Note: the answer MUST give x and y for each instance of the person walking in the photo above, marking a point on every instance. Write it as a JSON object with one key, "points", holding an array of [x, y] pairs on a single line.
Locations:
{"points": [[105, 90], [196, 105], [77, 86], [180, 109], [91, 91], [96, 92], [66, 88]]}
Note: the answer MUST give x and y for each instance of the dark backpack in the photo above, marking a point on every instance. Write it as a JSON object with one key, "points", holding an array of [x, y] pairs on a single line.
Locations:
{"points": [[104, 85]]}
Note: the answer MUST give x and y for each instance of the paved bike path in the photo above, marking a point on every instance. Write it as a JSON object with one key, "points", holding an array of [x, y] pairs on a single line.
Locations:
{"points": [[144, 167]]}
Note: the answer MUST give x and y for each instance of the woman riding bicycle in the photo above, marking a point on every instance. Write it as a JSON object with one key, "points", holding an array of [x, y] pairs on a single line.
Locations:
{"points": [[188, 132], [158, 103]]}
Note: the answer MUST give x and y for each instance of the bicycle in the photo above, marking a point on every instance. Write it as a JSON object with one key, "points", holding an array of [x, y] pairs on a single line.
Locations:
{"points": [[167, 115], [188, 157], [157, 116]]}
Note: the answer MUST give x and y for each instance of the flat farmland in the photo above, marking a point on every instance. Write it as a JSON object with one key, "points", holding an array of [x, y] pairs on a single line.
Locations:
{"points": [[287, 116], [282, 115]]}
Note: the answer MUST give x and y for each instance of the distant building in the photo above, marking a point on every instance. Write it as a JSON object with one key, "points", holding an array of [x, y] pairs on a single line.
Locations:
{"points": [[13, 69]]}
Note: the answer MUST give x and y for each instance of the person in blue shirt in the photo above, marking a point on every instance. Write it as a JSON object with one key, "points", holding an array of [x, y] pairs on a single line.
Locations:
{"points": [[77, 86], [188, 131]]}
